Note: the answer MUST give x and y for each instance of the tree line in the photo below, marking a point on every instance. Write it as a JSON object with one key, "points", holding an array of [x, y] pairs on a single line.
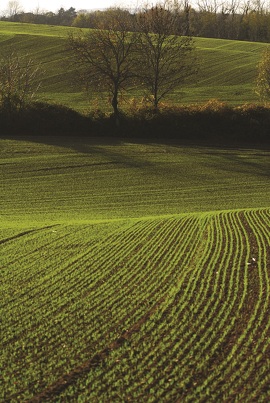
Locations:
{"points": [[225, 19]]}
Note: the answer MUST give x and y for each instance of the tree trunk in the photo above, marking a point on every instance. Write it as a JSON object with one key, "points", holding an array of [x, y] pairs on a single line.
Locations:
{"points": [[155, 100], [115, 107]]}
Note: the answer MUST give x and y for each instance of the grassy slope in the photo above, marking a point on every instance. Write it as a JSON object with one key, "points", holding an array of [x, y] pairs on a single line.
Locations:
{"points": [[81, 180], [227, 68], [105, 263], [86, 224]]}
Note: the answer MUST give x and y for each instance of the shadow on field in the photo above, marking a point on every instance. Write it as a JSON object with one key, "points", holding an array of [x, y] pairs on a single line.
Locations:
{"points": [[219, 131], [242, 160], [237, 158], [100, 146]]}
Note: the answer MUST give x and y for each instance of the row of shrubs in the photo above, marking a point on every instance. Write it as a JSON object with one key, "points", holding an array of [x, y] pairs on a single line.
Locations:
{"points": [[213, 121], [42, 118]]}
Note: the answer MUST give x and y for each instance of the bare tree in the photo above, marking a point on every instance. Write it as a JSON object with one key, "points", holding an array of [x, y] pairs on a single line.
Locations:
{"points": [[19, 81], [166, 60], [14, 8], [106, 57], [263, 78]]}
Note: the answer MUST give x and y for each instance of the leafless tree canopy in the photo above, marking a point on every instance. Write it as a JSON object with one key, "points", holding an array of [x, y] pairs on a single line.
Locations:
{"points": [[20, 79], [107, 57], [151, 56], [166, 57], [263, 78], [14, 8]]}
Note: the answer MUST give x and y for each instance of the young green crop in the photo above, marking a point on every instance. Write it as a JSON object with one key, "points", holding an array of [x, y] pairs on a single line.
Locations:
{"points": [[153, 303], [121, 282], [54, 180], [156, 360]]}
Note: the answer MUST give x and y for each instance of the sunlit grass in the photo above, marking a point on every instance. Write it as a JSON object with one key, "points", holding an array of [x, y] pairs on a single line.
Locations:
{"points": [[227, 69]]}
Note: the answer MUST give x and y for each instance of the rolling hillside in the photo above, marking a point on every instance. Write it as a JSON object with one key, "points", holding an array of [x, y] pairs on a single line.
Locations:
{"points": [[227, 68], [88, 179], [133, 272]]}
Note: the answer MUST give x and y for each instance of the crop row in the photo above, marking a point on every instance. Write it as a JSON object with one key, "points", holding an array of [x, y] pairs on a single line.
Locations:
{"points": [[147, 310], [209, 341], [83, 294]]}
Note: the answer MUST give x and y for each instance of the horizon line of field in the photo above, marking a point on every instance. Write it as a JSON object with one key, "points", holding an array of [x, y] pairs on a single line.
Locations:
{"points": [[35, 226]]}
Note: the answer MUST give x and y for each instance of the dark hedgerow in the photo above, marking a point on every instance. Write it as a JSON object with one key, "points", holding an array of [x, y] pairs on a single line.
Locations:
{"points": [[42, 118], [213, 121]]}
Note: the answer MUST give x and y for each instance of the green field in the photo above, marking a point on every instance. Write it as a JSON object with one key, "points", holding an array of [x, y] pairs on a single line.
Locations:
{"points": [[227, 69], [133, 272]]}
